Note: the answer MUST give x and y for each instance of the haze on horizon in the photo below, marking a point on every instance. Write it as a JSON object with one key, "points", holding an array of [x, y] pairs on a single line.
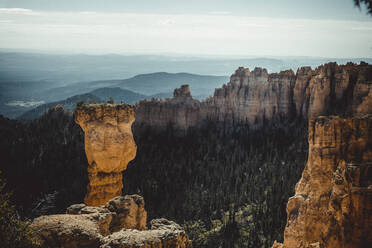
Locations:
{"points": [[323, 28]]}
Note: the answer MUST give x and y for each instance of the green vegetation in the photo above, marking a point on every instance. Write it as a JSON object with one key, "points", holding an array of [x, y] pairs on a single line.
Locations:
{"points": [[44, 163], [367, 3], [229, 186], [14, 233], [111, 100], [80, 103]]}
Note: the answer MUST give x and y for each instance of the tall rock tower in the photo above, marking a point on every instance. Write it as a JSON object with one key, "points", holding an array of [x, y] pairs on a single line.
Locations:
{"points": [[109, 147]]}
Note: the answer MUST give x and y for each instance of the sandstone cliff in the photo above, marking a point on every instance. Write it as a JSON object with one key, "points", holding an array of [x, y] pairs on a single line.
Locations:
{"points": [[333, 89], [109, 146], [121, 223], [332, 205], [182, 111], [252, 97], [256, 96]]}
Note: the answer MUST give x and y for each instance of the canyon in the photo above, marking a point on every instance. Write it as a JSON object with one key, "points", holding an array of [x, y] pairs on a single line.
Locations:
{"points": [[333, 199], [178, 175], [258, 97]]}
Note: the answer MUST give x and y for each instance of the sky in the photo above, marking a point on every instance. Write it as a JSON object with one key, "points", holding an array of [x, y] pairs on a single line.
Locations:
{"points": [[322, 28]]}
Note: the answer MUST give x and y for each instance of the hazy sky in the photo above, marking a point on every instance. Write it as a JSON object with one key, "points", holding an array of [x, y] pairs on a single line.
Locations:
{"points": [[326, 28]]}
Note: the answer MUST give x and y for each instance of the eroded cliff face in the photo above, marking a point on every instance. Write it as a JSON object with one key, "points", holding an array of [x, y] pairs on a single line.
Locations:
{"points": [[333, 89], [121, 223], [252, 97], [256, 96], [332, 205], [182, 111], [109, 146]]}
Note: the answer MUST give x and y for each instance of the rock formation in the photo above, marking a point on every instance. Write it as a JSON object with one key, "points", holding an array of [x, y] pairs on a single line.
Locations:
{"points": [[162, 234], [109, 146], [252, 97], [332, 205], [333, 89], [256, 96], [182, 111], [121, 223]]}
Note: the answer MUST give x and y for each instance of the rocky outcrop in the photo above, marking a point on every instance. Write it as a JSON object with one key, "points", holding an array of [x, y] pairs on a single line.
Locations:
{"points": [[256, 97], [332, 205], [181, 111], [333, 89], [162, 234], [252, 97], [119, 223], [109, 147]]}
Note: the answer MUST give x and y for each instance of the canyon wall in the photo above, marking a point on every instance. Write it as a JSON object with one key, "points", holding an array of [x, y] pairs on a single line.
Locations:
{"points": [[109, 147], [252, 97], [257, 96], [332, 205]]}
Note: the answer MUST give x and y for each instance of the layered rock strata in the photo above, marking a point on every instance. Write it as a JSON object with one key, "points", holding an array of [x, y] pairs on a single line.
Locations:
{"points": [[257, 96], [109, 147], [121, 223], [332, 206]]}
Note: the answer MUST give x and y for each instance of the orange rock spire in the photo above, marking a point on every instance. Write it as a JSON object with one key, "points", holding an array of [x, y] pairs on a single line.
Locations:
{"points": [[109, 146]]}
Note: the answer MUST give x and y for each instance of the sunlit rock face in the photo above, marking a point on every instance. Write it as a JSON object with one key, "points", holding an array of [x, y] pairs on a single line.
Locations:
{"points": [[332, 205], [258, 97], [344, 90], [252, 97], [120, 223], [109, 147]]}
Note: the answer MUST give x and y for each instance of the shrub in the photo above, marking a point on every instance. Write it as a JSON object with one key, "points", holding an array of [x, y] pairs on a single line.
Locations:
{"points": [[14, 233]]}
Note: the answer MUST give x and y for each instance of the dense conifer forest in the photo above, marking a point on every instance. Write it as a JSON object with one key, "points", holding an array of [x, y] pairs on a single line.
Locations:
{"points": [[43, 162], [228, 185]]}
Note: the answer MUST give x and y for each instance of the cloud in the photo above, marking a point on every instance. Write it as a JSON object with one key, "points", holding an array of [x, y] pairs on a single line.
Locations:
{"points": [[219, 13], [17, 11], [166, 33], [88, 12], [362, 28]]}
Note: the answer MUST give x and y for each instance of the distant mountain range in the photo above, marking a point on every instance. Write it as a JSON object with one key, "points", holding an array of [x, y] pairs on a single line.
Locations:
{"points": [[99, 95], [69, 105], [160, 82], [62, 69], [17, 98], [28, 80], [158, 85], [146, 84]]}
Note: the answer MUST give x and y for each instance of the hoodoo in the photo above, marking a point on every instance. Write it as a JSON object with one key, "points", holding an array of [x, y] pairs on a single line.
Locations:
{"points": [[107, 219], [332, 205], [109, 147]]}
